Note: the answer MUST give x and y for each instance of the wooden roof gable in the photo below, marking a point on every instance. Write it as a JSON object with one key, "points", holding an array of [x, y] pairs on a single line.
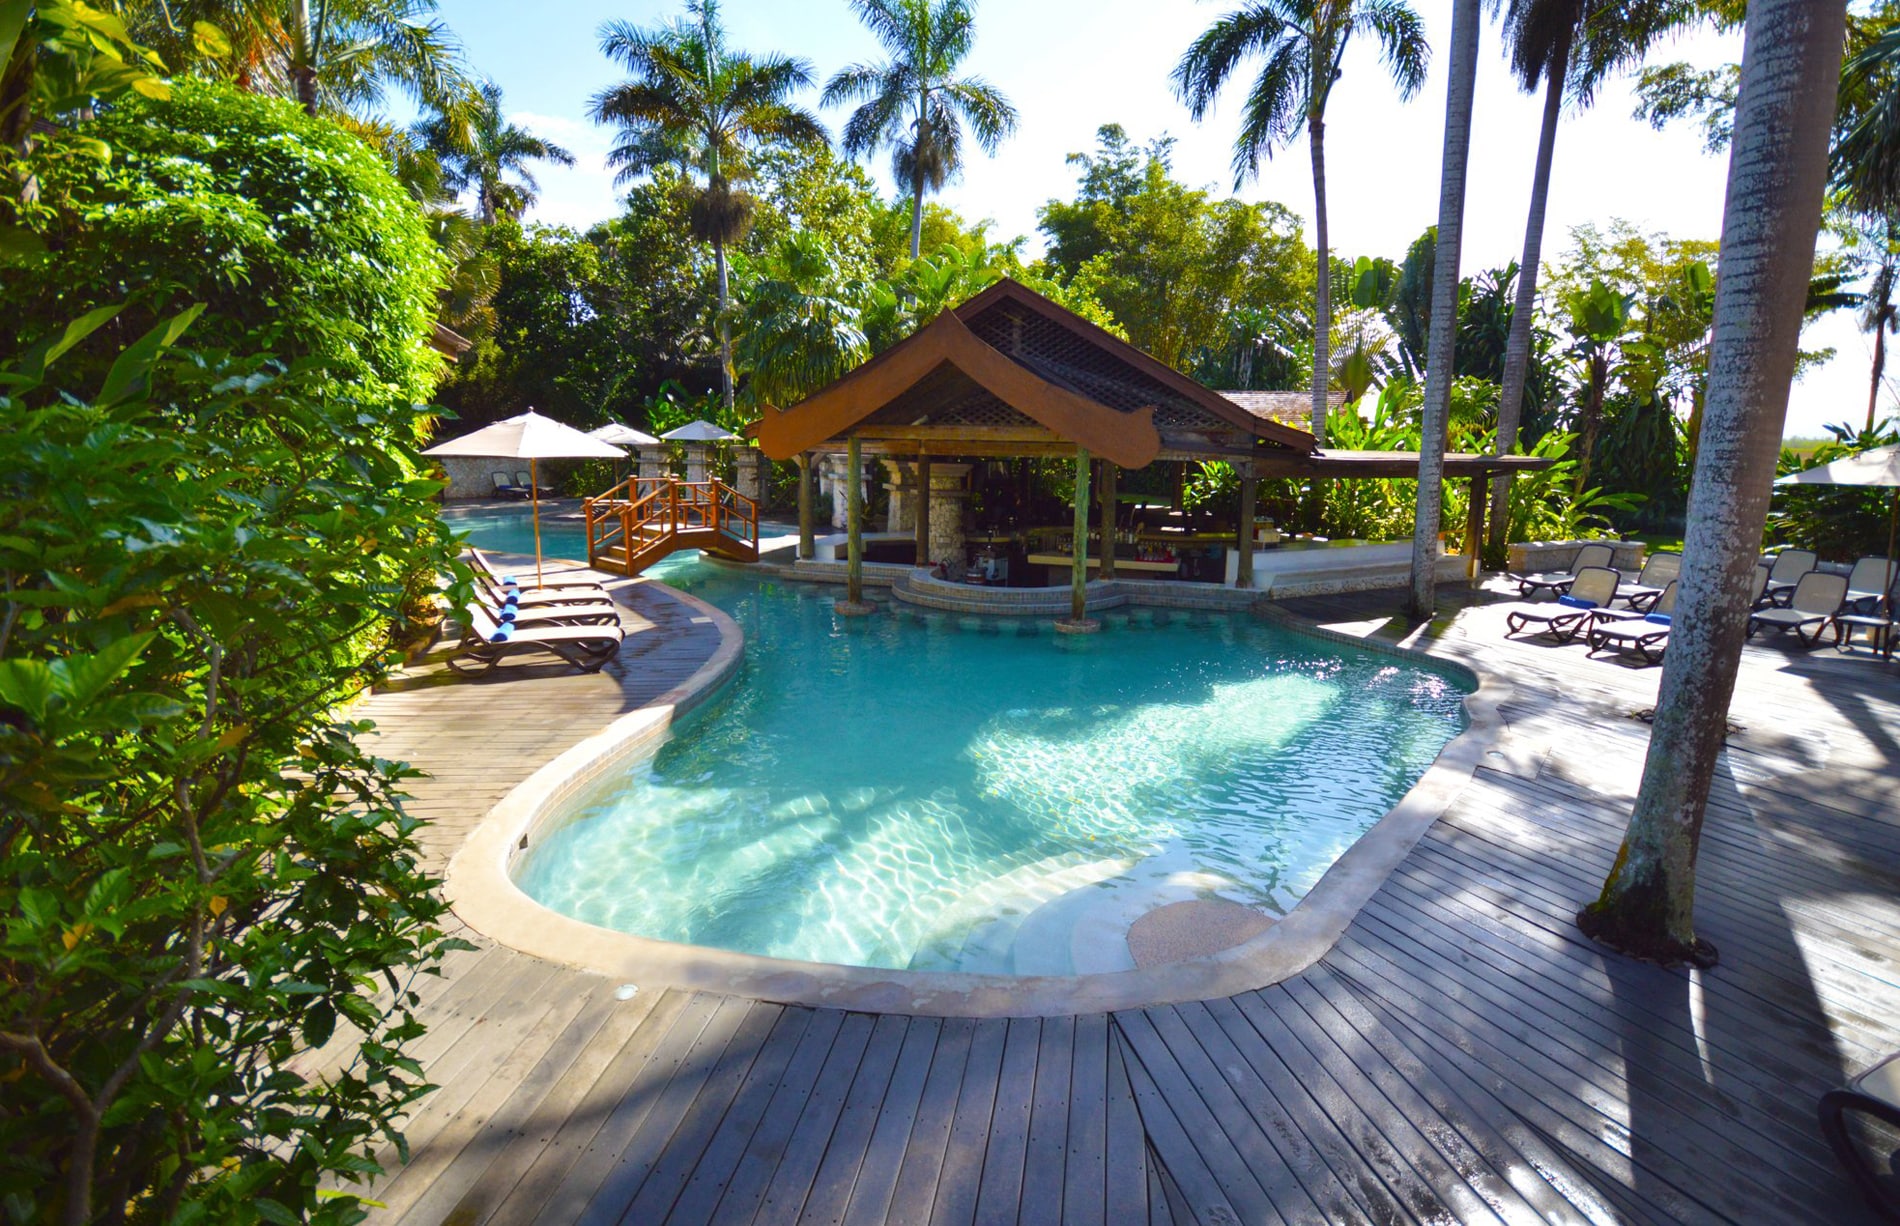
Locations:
{"points": [[1020, 353]]}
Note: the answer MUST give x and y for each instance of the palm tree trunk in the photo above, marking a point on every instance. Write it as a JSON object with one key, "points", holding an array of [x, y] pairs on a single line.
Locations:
{"points": [[1592, 424], [725, 324], [1778, 164], [1517, 348], [1880, 363], [1465, 22], [916, 217], [303, 71], [1323, 294]]}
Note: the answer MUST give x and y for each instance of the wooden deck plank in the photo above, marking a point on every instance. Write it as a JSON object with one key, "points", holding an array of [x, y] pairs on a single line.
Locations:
{"points": [[897, 1117], [1000, 1187], [1172, 1122], [1045, 1153], [748, 1177], [810, 1135], [1126, 1148], [850, 1139], [713, 1171], [702, 1115], [1085, 1168], [962, 1170]]}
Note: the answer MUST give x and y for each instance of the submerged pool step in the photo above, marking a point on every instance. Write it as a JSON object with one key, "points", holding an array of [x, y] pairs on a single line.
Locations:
{"points": [[975, 933]]}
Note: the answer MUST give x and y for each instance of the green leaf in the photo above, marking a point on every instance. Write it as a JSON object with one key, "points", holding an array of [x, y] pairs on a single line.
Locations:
{"points": [[88, 675], [13, 18], [129, 370], [271, 1211], [208, 40], [29, 686], [78, 330]]}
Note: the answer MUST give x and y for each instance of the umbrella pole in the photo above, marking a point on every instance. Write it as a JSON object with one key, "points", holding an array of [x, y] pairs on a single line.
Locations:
{"points": [[534, 494], [1893, 522]]}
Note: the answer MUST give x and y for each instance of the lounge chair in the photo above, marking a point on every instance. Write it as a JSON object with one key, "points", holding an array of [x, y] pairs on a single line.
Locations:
{"points": [[1592, 588], [479, 561], [485, 643], [497, 591], [1785, 571], [1875, 1092], [1659, 571], [528, 486], [1644, 633], [1560, 580], [507, 488], [577, 613], [1872, 580], [1811, 606]]}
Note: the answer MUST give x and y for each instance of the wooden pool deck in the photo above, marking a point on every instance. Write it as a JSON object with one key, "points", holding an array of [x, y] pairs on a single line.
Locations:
{"points": [[1462, 1054]]}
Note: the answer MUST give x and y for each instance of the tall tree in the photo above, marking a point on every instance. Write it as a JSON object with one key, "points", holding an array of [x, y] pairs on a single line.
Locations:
{"points": [[916, 102], [1569, 46], [340, 56], [1866, 168], [484, 152], [1303, 44], [1791, 65], [1466, 18], [693, 102]]}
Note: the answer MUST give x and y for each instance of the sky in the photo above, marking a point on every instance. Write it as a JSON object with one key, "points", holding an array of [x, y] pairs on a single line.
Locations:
{"points": [[1070, 66]]}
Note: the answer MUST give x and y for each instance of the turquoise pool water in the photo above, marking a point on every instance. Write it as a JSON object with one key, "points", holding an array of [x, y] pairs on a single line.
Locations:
{"points": [[936, 793]]}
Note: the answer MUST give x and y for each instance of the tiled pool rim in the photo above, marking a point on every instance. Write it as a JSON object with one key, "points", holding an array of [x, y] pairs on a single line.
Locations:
{"points": [[484, 895]]}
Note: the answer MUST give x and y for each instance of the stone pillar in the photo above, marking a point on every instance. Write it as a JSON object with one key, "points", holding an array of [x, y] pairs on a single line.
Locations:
{"points": [[921, 519], [697, 455], [1107, 497], [838, 485], [747, 464], [947, 499], [1249, 490], [902, 488], [653, 460]]}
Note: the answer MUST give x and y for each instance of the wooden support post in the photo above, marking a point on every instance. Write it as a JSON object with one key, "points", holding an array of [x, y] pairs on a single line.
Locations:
{"points": [[1249, 492], [854, 523], [1474, 528], [1108, 518], [806, 548], [1079, 568], [923, 510]]}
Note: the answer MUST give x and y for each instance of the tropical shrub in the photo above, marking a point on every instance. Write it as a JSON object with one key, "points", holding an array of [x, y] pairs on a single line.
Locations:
{"points": [[291, 233], [201, 868]]}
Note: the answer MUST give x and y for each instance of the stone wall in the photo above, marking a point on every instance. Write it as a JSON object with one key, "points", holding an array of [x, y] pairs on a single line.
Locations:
{"points": [[469, 475], [1536, 557]]}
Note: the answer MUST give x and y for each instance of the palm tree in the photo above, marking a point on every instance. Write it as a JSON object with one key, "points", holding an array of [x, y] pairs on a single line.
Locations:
{"points": [[1777, 170], [799, 326], [694, 103], [1866, 171], [335, 55], [1302, 43], [915, 102], [1441, 352], [482, 154], [1570, 46]]}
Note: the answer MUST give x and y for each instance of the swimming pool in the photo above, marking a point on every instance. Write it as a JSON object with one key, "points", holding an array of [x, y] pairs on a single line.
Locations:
{"points": [[928, 792]]}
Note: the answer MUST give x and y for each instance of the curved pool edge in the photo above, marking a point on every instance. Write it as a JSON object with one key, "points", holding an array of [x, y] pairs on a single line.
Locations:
{"points": [[484, 895]]}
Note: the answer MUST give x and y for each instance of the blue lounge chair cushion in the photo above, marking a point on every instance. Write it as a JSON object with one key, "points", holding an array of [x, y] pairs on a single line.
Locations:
{"points": [[507, 614], [1661, 619], [1576, 602], [502, 633]]}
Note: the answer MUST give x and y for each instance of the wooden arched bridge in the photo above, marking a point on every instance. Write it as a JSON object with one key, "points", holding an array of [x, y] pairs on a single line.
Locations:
{"points": [[644, 519]]}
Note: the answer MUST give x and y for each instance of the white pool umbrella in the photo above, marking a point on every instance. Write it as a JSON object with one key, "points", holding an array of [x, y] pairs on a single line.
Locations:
{"points": [[700, 432], [622, 435], [529, 437], [1878, 467]]}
